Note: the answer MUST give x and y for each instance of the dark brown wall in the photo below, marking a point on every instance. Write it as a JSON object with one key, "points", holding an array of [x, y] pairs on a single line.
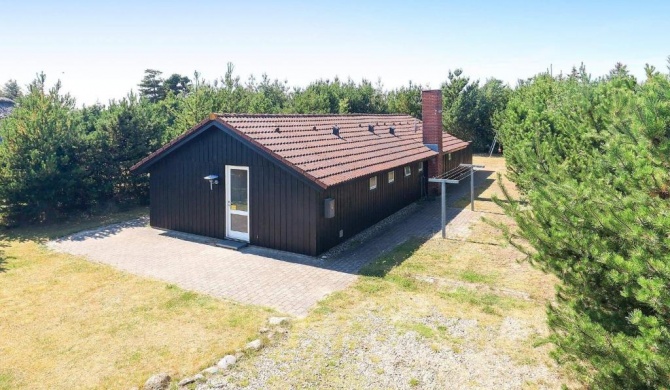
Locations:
{"points": [[463, 156], [357, 207], [283, 208]]}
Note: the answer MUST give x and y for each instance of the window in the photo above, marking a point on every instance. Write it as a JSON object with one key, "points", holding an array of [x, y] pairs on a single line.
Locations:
{"points": [[391, 176], [449, 156], [421, 166], [373, 182], [408, 171]]}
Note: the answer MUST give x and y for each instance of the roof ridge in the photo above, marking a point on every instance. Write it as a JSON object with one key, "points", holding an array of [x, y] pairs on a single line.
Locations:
{"points": [[247, 115]]}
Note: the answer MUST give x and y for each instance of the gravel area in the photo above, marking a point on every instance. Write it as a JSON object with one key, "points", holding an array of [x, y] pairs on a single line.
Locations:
{"points": [[381, 355], [454, 285]]}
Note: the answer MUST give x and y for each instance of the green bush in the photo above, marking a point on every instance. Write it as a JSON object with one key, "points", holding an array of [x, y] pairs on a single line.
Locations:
{"points": [[40, 157]]}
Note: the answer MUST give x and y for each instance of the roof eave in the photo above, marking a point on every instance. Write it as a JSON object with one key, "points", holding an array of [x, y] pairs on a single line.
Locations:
{"points": [[434, 154], [142, 165]]}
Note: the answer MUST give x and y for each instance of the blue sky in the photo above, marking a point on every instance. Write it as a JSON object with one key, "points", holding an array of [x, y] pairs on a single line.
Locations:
{"points": [[100, 51]]}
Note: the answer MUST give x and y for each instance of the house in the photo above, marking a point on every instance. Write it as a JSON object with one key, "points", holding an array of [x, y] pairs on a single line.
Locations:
{"points": [[6, 107], [298, 183]]}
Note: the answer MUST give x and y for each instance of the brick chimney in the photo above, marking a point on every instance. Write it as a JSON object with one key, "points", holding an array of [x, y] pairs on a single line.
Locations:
{"points": [[431, 107]]}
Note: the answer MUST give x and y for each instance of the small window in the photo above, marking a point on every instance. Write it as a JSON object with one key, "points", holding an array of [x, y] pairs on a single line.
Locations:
{"points": [[421, 166], [391, 176], [373, 182], [408, 171], [449, 156]]}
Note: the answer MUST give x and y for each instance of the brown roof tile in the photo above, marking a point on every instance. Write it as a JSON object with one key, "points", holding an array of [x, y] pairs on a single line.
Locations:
{"points": [[307, 143], [452, 144]]}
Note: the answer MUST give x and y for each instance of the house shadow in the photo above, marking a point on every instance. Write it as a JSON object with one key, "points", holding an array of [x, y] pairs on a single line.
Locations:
{"points": [[391, 246], [387, 244], [373, 252], [385, 262]]}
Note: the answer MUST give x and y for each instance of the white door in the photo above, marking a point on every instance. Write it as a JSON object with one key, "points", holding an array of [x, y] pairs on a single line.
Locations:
{"points": [[237, 202]]}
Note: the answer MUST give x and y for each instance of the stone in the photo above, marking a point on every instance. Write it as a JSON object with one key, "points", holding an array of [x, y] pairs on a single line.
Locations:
{"points": [[158, 382], [226, 362], [264, 330], [191, 379], [211, 370], [281, 330], [186, 381], [274, 321], [239, 355], [254, 345]]}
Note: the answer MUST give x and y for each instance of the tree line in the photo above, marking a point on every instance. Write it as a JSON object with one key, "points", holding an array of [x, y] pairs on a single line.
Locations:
{"points": [[591, 157], [56, 158]]}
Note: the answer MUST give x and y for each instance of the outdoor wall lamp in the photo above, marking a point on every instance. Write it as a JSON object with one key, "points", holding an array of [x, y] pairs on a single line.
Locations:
{"points": [[213, 179]]}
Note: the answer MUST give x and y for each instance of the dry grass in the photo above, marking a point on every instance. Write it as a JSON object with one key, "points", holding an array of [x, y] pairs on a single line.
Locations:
{"points": [[69, 323], [456, 279]]}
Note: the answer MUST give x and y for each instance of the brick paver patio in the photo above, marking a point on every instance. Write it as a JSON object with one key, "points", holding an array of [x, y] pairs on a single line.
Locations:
{"points": [[288, 282]]}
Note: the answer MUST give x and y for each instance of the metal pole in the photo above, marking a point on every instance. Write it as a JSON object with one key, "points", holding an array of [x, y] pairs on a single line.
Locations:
{"points": [[444, 209], [472, 188]]}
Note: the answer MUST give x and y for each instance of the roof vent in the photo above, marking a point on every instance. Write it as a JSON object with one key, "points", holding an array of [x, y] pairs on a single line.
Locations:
{"points": [[392, 130], [277, 130], [336, 130], [371, 128], [314, 128]]}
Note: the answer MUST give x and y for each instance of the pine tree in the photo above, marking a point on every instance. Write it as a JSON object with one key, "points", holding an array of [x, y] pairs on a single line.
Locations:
{"points": [[125, 133], [11, 90], [592, 160], [151, 86], [177, 84], [40, 166]]}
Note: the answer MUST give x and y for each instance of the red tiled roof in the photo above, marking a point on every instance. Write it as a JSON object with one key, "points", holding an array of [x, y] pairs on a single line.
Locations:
{"points": [[452, 144], [307, 143]]}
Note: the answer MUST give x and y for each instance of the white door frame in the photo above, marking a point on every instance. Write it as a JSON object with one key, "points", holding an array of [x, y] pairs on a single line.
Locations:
{"points": [[229, 232]]}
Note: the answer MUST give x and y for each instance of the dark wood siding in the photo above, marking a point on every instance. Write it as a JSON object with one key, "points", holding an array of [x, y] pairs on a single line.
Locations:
{"points": [[286, 213], [282, 207], [357, 207], [463, 156]]}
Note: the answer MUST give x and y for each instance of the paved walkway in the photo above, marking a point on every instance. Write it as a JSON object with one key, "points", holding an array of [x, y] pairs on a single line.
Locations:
{"points": [[288, 282]]}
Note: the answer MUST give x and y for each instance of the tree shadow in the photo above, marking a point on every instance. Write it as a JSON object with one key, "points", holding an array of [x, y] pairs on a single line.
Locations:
{"points": [[3, 257], [106, 231], [95, 224], [72, 224]]}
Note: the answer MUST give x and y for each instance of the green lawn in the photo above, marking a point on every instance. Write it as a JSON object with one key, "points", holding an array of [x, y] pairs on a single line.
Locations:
{"points": [[69, 323]]}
